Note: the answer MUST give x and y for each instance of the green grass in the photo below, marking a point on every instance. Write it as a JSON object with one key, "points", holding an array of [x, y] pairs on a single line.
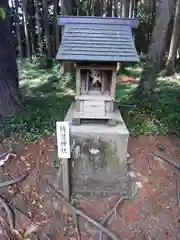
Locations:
{"points": [[46, 98], [162, 116], [47, 95]]}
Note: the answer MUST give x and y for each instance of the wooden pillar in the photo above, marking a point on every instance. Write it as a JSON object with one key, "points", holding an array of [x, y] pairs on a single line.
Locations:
{"points": [[66, 180], [103, 79], [87, 81], [113, 84], [78, 81]]}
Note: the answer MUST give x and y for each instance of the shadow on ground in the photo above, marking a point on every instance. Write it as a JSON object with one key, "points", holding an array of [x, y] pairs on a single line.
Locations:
{"points": [[46, 99]]}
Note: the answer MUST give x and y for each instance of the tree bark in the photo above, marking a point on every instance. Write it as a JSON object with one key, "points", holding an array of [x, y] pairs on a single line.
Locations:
{"points": [[66, 7], [135, 8], [78, 5], [156, 49], [131, 5], [109, 8], [32, 25], [170, 65], [125, 8], [67, 66], [115, 8], [24, 5], [56, 26], [98, 8], [18, 30], [38, 24], [9, 90], [46, 28]]}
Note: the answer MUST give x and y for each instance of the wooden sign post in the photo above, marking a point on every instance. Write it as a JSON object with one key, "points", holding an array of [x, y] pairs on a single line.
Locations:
{"points": [[64, 153]]}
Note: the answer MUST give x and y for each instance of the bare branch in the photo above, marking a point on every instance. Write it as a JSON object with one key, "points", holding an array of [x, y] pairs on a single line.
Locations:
{"points": [[83, 215], [166, 159], [13, 181], [114, 209], [9, 214]]}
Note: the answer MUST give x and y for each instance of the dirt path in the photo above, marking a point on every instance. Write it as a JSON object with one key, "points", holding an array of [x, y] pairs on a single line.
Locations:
{"points": [[154, 213]]}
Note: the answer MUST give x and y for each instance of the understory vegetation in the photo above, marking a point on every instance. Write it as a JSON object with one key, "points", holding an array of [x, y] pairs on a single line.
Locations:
{"points": [[47, 95]]}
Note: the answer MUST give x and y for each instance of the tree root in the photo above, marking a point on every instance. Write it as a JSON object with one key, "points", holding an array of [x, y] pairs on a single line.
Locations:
{"points": [[13, 181], [82, 214], [166, 159], [114, 209]]}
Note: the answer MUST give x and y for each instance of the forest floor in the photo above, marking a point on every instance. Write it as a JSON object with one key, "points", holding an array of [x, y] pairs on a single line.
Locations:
{"points": [[47, 95], [153, 214]]}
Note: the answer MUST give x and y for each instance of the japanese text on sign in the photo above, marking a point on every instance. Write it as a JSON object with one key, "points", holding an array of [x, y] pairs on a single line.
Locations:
{"points": [[63, 141]]}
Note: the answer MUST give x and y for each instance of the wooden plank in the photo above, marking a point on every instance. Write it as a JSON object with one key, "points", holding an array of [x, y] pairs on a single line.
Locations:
{"points": [[65, 178], [113, 85], [100, 67], [87, 81], [79, 57], [63, 143], [94, 108], [103, 79], [78, 81], [63, 140], [63, 20]]}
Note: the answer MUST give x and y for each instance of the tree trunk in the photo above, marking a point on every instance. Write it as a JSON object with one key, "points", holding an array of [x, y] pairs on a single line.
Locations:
{"points": [[67, 66], [38, 24], [66, 7], [156, 49], [115, 8], [135, 8], [98, 8], [9, 90], [46, 28], [170, 65], [18, 31], [32, 24], [24, 5], [56, 26], [109, 8], [125, 5], [131, 5], [78, 5]]}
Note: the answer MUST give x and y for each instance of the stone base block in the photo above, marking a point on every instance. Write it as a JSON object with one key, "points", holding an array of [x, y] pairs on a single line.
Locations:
{"points": [[98, 157]]}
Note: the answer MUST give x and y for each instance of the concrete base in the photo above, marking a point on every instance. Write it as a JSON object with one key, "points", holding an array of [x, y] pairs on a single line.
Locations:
{"points": [[98, 157]]}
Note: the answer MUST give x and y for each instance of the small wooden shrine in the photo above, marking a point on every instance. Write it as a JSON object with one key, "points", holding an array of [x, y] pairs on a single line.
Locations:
{"points": [[96, 45]]}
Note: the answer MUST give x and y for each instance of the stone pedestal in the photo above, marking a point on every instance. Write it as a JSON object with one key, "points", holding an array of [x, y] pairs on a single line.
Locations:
{"points": [[98, 157]]}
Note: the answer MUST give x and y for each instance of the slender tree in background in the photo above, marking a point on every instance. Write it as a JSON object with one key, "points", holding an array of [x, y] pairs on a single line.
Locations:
{"points": [[38, 24], [9, 90], [156, 49], [56, 26], [24, 5], [66, 9], [109, 8], [78, 4], [98, 8], [131, 5], [32, 25], [125, 11], [15, 3], [170, 65], [46, 28]]}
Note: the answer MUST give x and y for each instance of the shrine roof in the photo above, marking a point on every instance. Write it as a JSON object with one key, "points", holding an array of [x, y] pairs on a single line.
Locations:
{"points": [[97, 39]]}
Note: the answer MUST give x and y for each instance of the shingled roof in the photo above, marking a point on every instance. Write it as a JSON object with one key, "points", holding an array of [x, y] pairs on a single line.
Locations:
{"points": [[98, 41]]}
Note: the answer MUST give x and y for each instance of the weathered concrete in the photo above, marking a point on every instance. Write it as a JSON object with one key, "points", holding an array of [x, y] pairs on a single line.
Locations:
{"points": [[98, 160]]}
